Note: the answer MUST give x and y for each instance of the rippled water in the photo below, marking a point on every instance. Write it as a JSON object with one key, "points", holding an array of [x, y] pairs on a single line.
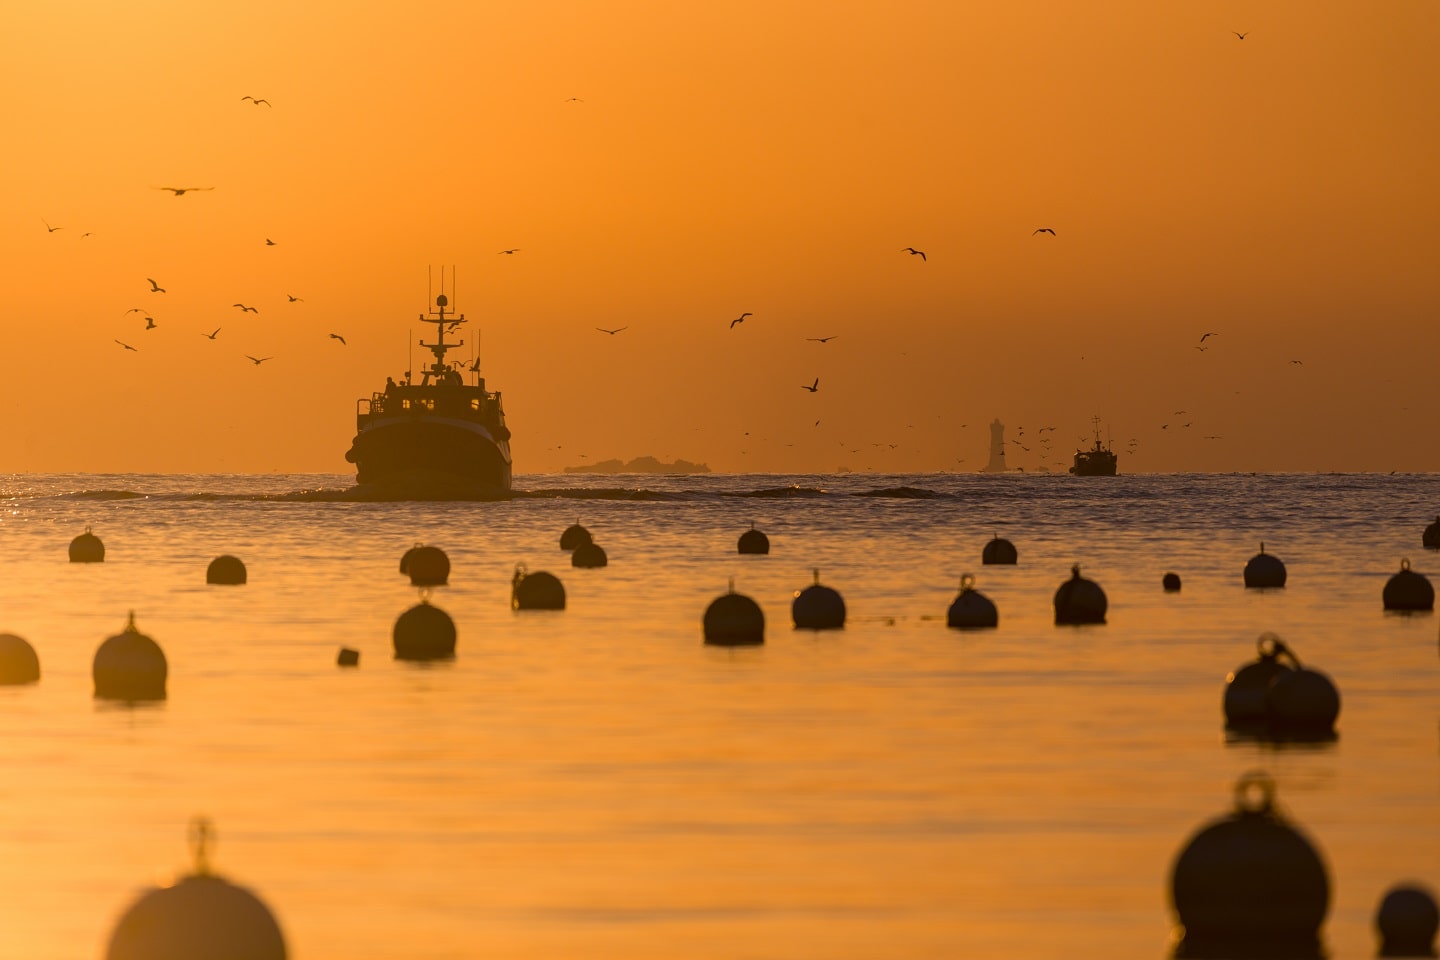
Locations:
{"points": [[598, 782]]}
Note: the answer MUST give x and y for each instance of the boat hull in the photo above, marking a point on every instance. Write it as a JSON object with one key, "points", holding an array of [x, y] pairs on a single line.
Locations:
{"points": [[430, 458], [1094, 464]]}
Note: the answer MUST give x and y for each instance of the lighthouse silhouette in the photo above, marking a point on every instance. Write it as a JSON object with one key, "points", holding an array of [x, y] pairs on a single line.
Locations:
{"points": [[997, 448]]}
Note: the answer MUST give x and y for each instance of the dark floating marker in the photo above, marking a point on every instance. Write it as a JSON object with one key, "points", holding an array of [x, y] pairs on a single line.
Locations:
{"points": [[971, 608], [426, 566], [424, 633], [574, 537], [225, 569], [536, 591], [734, 620], [589, 555], [202, 915], [18, 661], [817, 608], [999, 551], [1431, 537], [130, 666], [87, 548], [1171, 582], [1264, 570], [1250, 885], [1079, 600], [1247, 690], [753, 541], [1407, 921], [1303, 705], [348, 657], [1408, 590]]}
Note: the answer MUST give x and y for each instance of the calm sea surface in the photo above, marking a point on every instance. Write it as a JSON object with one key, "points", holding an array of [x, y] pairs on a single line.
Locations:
{"points": [[597, 782]]}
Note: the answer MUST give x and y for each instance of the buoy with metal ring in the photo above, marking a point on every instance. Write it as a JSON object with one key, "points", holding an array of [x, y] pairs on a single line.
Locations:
{"points": [[1247, 690], [971, 608], [130, 666], [1264, 570], [1170, 582], [424, 632], [87, 548], [589, 556], [574, 536], [1249, 884], [18, 661], [1408, 590], [733, 619], [753, 541], [818, 607], [1407, 921], [536, 591], [999, 551], [226, 570], [1079, 600], [201, 915]]}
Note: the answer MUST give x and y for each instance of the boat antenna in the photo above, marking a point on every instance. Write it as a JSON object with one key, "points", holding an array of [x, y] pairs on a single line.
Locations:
{"points": [[410, 357], [430, 285]]}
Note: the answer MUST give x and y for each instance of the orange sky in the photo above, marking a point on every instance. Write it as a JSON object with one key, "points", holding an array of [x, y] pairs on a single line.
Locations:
{"points": [[1280, 191]]}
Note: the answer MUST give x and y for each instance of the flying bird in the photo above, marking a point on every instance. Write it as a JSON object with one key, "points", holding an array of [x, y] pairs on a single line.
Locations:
{"points": [[1202, 349], [1299, 362], [181, 191], [1043, 230], [294, 299], [258, 102], [211, 335], [740, 319], [573, 100], [136, 310], [612, 332], [336, 336], [48, 228], [269, 242], [257, 360], [149, 323], [155, 287], [821, 339], [126, 345], [1204, 335], [812, 387], [511, 250], [245, 309], [1239, 34], [913, 252]]}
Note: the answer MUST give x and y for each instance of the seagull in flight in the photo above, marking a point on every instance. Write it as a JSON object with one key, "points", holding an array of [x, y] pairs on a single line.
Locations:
{"points": [[740, 319], [149, 323], [257, 102], [612, 332], [1043, 230], [1239, 34], [573, 100], [812, 387], [48, 228], [257, 360], [245, 309], [155, 287], [1204, 335], [913, 252], [821, 339], [336, 336], [1299, 362], [181, 191], [511, 250], [126, 346], [211, 336], [295, 299], [269, 242], [136, 310]]}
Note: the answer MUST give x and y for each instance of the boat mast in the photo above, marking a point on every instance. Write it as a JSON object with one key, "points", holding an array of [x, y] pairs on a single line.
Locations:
{"points": [[439, 348]]}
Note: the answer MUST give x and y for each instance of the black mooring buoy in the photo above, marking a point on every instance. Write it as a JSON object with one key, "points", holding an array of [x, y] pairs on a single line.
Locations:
{"points": [[1079, 600], [130, 666], [226, 570], [1408, 590], [1249, 884], [424, 633], [1171, 582], [1264, 570], [87, 548], [1247, 690], [971, 608], [733, 620], [1407, 921], [753, 541], [536, 591], [589, 556], [999, 551], [18, 661], [818, 607], [1431, 537], [574, 536], [426, 566], [1303, 704], [348, 657]]}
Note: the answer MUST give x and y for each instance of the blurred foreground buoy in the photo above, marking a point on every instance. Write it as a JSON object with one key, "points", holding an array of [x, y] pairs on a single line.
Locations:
{"points": [[1431, 537], [818, 607], [18, 661], [1408, 590], [201, 915], [1247, 690], [424, 633], [536, 591], [753, 541], [1250, 885], [733, 619], [1407, 921], [348, 657], [589, 556], [130, 666], [87, 548], [1264, 570], [426, 566], [1171, 582], [1079, 600], [225, 569], [574, 536], [999, 551], [971, 608]]}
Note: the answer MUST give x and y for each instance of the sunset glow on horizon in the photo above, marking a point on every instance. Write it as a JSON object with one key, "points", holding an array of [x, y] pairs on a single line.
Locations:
{"points": [[667, 167]]}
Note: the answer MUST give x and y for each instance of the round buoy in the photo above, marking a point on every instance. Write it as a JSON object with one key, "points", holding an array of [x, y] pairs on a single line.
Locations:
{"points": [[427, 566], [424, 633], [753, 541], [971, 608], [1303, 704], [1249, 884], [405, 558], [1408, 590], [536, 591], [18, 661], [1079, 600], [1247, 689], [574, 537], [1264, 570], [733, 620], [201, 915], [87, 548], [1171, 582], [348, 657], [130, 666], [1407, 921], [589, 555], [817, 607], [999, 550], [1431, 537], [225, 570]]}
